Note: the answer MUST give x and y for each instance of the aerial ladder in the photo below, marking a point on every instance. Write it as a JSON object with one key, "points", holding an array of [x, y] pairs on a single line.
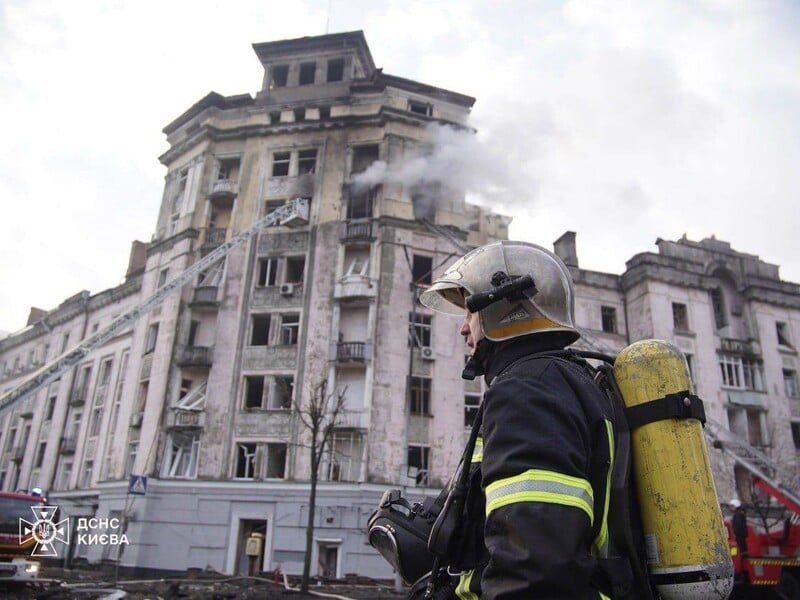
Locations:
{"points": [[776, 480], [292, 214]]}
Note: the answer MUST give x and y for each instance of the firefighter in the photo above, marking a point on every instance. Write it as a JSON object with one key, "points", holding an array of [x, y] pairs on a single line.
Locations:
{"points": [[537, 500], [739, 523]]}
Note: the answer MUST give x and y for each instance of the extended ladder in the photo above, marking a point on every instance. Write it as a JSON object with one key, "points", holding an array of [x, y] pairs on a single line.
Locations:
{"points": [[294, 213], [776, 480]]}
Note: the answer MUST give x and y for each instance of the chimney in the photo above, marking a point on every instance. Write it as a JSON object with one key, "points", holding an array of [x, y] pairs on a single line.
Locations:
{"points": [[564, 248], [137, 260], [36, 315]]}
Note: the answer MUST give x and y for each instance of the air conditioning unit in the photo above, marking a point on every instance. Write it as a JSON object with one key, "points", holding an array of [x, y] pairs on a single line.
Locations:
{"points": [[427, 353], [287, 289]]}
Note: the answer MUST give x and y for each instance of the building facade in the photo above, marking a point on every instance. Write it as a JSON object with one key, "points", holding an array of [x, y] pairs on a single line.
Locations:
{"points": [[205, 394], [201, 395]]}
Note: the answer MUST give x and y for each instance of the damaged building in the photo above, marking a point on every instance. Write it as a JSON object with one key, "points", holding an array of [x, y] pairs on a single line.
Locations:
{"points": [[200, 394]]}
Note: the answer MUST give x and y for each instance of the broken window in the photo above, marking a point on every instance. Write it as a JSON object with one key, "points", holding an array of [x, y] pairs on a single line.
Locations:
{"points": [[420, 108], [420, 395], [307, 71], [790, 383], [306, 161], [40, 455], [228, 169], [718, 306], [299, 114], [782, 331], [280, 76], [360, 199], [245, 461], [796, 434], [418, 463], [344, 457], [180, 455], [471, 404], [253, 391], [741, 373], [86, 474], [152, 337], [295, 265], [280, 164], [162, 278], [267, 271], [260, 333], [422, 269], [273, 205], [680, 317], [335, 70], [363, 157], [274, 117], [423, 200], [608, 317], [290, 327], [324, 112], [82, 387], [421, 327], [359, 265], [690, 367], [276, 461], [282, 393]]}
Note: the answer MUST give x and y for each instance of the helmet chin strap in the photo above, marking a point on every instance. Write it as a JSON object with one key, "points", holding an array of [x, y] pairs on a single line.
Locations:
{"points": [[476, 365]]}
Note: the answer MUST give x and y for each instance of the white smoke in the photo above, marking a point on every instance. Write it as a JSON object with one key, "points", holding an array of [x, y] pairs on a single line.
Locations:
{"points": [[457, 159]]}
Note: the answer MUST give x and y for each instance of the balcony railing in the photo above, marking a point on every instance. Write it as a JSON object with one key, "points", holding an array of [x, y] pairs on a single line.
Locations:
{"points": [[195, 356], [215, 237], [357, 230], [355, 286], [78, 397], [224, 187], [351, 351], [186, 419], [205, 296], [735, 346], [67, 445], [352, 419], [18, 453]]}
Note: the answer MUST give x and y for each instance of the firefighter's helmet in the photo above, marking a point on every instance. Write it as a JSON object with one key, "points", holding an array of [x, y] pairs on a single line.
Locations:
{"points": [[735, 503], [549, 307]]}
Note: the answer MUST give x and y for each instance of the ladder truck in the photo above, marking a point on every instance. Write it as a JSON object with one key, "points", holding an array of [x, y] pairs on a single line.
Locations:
{"points": [[771, 568], [292, 214]]}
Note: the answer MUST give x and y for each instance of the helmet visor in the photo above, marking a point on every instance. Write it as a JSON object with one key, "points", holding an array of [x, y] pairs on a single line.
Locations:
{"points": [[444, 297]]}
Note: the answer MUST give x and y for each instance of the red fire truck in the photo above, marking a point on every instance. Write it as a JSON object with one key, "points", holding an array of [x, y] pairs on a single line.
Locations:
{"points": [[16, 562], [771, 567]]}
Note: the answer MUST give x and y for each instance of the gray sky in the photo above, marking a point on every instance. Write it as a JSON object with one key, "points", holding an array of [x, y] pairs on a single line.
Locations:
{"points": [[624, 121]]}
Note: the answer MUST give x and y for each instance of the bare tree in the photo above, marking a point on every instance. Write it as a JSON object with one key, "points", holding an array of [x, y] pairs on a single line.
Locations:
{"points": [[319, 416]]}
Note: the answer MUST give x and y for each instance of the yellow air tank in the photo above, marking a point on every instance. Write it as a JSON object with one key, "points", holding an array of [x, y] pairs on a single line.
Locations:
{"points": [[686, 539]]}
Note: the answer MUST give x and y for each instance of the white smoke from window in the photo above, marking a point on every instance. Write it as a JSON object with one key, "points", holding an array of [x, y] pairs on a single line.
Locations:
{"points": [[457, 159]]}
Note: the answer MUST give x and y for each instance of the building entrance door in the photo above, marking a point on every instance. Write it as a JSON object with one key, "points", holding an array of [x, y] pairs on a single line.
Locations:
{"points": [[246, 528]]}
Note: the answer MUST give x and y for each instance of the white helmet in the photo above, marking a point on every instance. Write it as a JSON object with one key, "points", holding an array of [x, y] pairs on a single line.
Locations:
{"points": [[549, 308], [735, 503]]}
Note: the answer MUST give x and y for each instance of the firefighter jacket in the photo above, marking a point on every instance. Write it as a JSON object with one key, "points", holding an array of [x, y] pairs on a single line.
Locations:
{"points": [[541, 473]]}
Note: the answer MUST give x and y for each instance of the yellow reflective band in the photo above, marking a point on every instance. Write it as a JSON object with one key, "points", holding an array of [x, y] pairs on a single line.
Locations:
{"points": [[462, 591], [477, 453], [535, 485], [600, 545]]}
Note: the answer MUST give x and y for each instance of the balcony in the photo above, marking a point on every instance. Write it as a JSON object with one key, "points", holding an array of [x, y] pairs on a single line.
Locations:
{"points": [[78, 397], [205, 295], [215, 237], [354, 286], [195, 356], [67, 445], [744, 347], [355, 231], [351, 351], [352, 419], [186, 419], [223, 188], [18, 453]]}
